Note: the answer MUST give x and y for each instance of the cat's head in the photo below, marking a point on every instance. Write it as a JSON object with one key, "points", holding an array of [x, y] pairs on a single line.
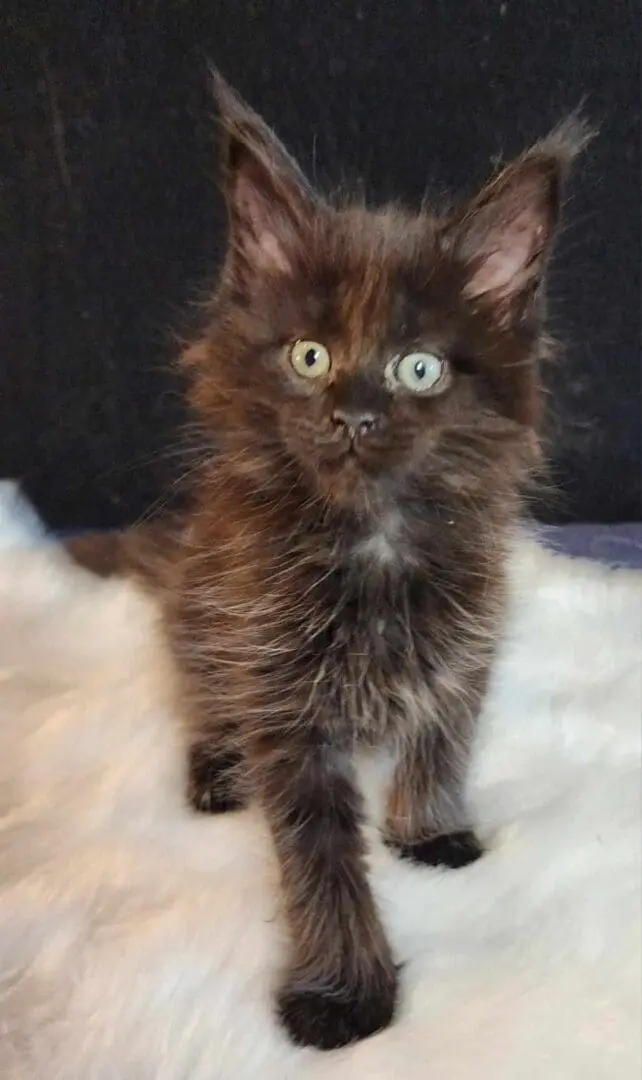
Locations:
{"points": [[375, 351]]}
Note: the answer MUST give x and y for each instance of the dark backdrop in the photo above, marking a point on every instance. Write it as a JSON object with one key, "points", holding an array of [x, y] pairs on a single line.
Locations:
{"points": [[114, 225]]}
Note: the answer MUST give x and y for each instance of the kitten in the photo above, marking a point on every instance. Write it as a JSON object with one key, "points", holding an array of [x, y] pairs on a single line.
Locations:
{"points": [[372, 378]]}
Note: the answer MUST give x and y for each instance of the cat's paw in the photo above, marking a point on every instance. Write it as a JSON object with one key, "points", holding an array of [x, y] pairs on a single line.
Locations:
{"points": [[330, 1019], [211, 784], [453, 849]]}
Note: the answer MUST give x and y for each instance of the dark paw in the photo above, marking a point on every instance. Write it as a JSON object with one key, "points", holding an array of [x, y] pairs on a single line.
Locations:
{"points": [[328, 1020], [212, 787], [454, 849]]}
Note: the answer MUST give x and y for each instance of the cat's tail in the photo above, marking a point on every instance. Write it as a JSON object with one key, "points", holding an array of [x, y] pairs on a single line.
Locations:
{"points": [[145, 552]]}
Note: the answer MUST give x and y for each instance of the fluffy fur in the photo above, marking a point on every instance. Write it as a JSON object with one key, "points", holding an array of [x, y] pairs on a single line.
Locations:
{"points": [[140, 941], [341, 579]]}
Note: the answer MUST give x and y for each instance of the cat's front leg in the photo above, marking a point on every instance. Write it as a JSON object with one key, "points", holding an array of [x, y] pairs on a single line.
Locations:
{"points": [[427, 818], [341, 984]]}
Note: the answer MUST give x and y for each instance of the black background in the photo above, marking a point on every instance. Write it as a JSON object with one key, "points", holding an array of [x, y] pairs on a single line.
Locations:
{"points": [[114, 225]]}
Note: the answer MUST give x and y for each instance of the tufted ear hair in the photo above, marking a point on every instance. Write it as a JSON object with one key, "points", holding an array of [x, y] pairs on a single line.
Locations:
{"points": [[502, 237], [270, 204]]}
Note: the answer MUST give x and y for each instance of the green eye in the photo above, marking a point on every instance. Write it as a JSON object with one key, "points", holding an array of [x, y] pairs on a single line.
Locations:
{"points": [[310, 359], [417, 371]]}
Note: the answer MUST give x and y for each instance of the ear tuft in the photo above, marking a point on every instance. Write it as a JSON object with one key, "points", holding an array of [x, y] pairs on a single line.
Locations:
{"points": [[566, 142], [503, 236], [270, 203]]}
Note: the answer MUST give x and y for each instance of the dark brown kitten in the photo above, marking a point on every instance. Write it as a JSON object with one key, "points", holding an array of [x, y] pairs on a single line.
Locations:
{"points": [[372, 377]]}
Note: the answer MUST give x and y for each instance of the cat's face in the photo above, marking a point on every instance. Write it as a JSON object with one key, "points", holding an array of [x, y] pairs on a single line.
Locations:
{"points": [[375, 350]]}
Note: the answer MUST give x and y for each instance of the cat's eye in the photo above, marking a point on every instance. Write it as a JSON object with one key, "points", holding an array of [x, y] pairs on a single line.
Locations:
{"points": [[310, 359], [418, 372]]}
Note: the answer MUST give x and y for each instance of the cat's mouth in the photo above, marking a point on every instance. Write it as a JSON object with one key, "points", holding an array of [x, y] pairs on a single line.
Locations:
{"points": [[348, 453], [339, 456]]}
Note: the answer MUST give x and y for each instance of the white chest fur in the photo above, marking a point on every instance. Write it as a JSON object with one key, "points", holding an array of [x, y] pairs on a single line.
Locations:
{"points": [[384, 545]]}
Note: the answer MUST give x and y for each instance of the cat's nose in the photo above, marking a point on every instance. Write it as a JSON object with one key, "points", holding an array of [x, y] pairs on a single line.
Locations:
{"points": [[356, 421]]}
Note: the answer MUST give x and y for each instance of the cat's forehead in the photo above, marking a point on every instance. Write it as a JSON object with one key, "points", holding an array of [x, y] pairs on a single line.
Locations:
{"points": [[376, 273], [368, 252]]}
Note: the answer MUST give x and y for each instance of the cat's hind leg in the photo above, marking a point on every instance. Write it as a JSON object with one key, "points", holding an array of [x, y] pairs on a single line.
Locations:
{"points": [[213, 779]]}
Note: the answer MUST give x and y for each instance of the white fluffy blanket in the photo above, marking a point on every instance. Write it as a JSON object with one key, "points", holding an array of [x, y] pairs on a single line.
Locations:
{"points": [[141, 942]]}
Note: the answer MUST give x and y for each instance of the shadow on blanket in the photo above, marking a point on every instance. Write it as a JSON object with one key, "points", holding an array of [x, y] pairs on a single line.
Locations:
{"points": [[139, 942]]}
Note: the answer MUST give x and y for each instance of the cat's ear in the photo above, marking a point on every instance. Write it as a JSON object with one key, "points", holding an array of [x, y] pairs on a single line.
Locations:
{"points": [[269, 201], [502, 237]]}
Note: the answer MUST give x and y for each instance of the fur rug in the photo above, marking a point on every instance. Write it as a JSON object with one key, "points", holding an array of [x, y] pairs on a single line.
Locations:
{"points": [[141, 942]]}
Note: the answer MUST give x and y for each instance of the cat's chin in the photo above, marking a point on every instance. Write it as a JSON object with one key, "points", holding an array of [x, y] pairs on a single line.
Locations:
{"points": [[346, 482]]}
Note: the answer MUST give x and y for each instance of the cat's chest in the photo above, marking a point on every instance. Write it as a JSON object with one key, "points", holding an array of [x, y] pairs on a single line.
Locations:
{"points": [[380, 652]]}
